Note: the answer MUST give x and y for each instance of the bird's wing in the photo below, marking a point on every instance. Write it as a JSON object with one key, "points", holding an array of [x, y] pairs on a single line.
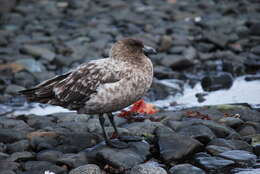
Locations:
{"points": [[77, 88], [74, 88]]}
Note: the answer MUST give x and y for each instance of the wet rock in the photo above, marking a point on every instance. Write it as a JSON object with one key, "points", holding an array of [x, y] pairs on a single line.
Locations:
{"points": [[49, 155], [37, 122], [147, 169], [162, 89], [145, 128], [215, 150], [254, 29], [162, 72], [11, 135], [15, 124], [21, 156], [217, 38], [38, 51], [173, 146], [18, 146], [8, 165], [232, 144], [3, 147], [31, 65], [78, 141], [119, 158], [239, 156], [72, 160], [200, 132], [213, 163], [86, 169], [246, 130], [3, 156], [256, 50], [7, 6], [231, 121], [43, 140], [7, 172], [185, 169], [36, 167], [216, 82]]}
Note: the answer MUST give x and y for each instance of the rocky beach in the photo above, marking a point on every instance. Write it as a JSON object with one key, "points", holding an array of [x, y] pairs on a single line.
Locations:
{"points": [[206, 86]]}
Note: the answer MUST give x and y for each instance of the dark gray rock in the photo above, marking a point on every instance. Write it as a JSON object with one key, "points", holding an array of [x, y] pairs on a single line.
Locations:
{"points": [[8, 165], [14, 124], [213, 163], [3, 147], [79, 141], [38, 51], [146, 168], [18, 146], [176, 62], [247, 130], [217, 38], [72, 160], [215, 150], [11, 135], [231, 121], [31, 65], [36, 167], [165, 43], [240, 156], [199, 132], [86, 169], [173, 146], [3, 156], [119, 158], [256, 50], [232, 144], [49, 155], [7, 6], [37, 122], [185, 169], [21, 156], [7, 172], [216, 82]]}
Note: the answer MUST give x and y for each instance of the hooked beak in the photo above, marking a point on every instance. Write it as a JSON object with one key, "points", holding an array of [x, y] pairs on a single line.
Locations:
{"points": [[149, 50]]}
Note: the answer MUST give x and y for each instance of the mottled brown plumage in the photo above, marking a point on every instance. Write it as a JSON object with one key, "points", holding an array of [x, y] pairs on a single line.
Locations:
{"points": [[100, 86]]}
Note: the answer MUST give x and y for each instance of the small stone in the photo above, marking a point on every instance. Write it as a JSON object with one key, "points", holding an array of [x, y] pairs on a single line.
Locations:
{"points": [[31, 65], [185, 169], [39, 167], [37, 51], [166, 43], [119, 158], [199, 132], [215, 150], [8, 165], [147, 169], [231, 121], [217, 38], [21, 156], [49, 155], [3, 156], [72, 160], [213, 163], [247, 130], [18, 146], [11, 135], [7, 172], [86, 169], [240, 156]]}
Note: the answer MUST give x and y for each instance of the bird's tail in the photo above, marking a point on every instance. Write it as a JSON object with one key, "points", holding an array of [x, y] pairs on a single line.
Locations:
{"points": [[43, 93]]}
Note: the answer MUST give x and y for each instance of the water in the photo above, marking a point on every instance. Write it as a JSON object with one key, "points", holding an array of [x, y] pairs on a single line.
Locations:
{"points": [[241, 92]]}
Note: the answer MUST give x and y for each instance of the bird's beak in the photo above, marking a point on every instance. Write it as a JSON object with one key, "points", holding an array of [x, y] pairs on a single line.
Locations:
{"points": [[149, 50]]}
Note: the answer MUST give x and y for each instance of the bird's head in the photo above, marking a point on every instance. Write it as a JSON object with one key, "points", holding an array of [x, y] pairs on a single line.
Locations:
{"points": [[130, 48]]}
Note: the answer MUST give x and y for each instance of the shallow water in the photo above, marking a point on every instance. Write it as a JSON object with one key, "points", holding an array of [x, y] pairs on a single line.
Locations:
{"points": [[241, 92]]}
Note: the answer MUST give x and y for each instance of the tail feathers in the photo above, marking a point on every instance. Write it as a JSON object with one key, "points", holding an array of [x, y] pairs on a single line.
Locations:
{"points": [[43, 93]]}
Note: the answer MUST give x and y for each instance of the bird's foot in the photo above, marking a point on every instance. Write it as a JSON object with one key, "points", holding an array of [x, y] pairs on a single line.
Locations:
{"points": [[130, 138], [115, 143]]}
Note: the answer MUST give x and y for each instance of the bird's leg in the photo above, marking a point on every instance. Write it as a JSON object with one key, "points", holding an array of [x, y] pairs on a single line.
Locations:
{"points": [[114, 143], [123, 138]]}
